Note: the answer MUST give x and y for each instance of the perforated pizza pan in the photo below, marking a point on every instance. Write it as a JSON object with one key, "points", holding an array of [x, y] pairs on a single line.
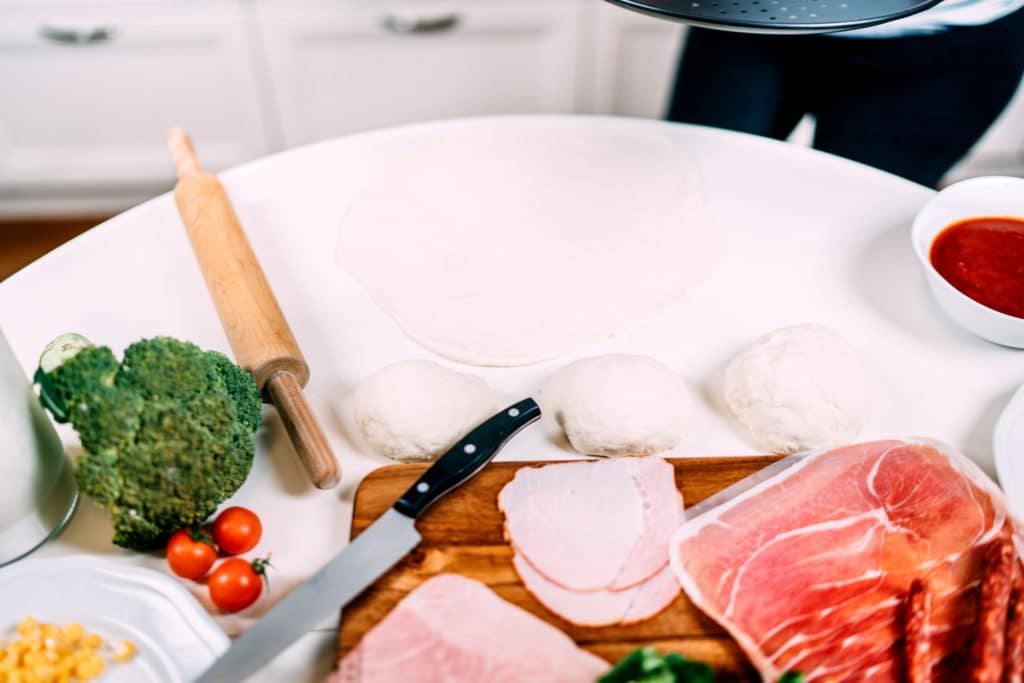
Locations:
{"points": [[780, 16]]}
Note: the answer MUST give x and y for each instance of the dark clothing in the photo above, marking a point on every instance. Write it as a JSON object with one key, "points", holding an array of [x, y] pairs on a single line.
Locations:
{"points": [[911, 105]]}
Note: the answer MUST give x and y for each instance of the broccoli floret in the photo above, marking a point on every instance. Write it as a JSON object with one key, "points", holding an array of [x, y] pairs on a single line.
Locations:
{"points": [[96, 369], [168, 432], [241, 388]]}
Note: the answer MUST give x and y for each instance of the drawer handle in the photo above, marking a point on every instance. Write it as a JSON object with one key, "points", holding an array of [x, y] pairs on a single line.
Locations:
{"points": [[420, 25], [100, 34]]}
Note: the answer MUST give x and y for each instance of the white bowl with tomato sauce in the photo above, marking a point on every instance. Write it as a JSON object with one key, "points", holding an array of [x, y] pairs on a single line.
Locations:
{"points": [[970, 241]]}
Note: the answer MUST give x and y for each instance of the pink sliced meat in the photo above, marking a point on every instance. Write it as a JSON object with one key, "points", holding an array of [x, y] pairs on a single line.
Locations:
{"points": [[453, 630], [663, 513], [808, 570], [595, 525], [601, 608]]}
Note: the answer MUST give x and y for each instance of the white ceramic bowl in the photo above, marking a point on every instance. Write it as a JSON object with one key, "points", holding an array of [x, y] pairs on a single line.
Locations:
{"points": [[974, 198]]}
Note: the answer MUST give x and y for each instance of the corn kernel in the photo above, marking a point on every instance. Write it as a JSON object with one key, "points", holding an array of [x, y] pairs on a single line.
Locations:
{"points": [[45, 674], [89, 668], [27, 625], [33, 659], [124, 651], [74, 632], [93, 640]]}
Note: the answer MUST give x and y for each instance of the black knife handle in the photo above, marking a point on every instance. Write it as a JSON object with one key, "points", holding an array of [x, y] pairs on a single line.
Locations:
{"points": [[467, 457]]}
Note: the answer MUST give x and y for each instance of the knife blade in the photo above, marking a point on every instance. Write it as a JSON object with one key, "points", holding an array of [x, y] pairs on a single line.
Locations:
{"points": [[742, 486], [371, 554]]}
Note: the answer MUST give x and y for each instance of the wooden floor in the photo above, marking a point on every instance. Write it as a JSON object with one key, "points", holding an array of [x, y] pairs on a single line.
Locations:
{"points": [[22, 242]]}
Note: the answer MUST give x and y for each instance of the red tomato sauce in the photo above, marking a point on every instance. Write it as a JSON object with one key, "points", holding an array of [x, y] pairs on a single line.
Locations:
{"points": [[984, 259]]}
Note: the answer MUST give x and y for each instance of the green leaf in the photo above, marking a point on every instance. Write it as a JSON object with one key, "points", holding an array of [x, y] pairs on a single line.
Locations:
{"points": [[690, 672], [50, 397], [645, 665]]}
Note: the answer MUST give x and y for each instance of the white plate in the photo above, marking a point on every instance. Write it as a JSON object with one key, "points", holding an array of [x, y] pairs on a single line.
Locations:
{"points": [[175, 637], [1008, 450]]}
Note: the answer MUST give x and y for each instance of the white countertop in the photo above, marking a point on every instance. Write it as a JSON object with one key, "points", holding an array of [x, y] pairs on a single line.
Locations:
{"points": [[811, 238]]}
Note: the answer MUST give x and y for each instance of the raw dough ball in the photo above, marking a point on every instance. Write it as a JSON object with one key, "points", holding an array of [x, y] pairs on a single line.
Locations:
{"points": [[799, 388], [415, 410], [619, 405]]}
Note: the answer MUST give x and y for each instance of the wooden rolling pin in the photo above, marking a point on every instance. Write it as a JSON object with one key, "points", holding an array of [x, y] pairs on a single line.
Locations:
{"points": [[256, 328]]}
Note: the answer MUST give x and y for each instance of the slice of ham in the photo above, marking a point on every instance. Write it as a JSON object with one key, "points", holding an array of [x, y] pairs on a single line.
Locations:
{"points": [[807, 570], [601, 608], [452, 630], [590, 538], [596, 525]]}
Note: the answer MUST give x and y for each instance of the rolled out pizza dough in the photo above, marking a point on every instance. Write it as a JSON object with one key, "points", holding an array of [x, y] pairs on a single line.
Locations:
{"points": [[511, 241]]}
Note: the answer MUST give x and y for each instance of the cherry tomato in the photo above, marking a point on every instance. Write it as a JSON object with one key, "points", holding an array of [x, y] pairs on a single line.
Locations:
{"points": [[237, 530], [236, 584], [189, 555]]}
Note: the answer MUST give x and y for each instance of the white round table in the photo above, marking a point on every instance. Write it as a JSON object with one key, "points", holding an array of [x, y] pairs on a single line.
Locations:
{"points": [[811, 238]]}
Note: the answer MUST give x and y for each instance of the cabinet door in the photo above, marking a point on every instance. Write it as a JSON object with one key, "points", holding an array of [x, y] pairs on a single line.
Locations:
{"points": [[337, 67], [90, 90], [634, 62]]}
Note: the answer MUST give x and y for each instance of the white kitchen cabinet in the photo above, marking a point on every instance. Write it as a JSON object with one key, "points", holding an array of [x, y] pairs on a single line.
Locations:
{"points": [[340, 67], [90, 89], [634, 61], [90, 86]]}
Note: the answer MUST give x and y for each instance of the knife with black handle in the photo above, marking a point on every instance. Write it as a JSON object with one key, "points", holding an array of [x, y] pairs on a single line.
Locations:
{"points": [[371, 554]]}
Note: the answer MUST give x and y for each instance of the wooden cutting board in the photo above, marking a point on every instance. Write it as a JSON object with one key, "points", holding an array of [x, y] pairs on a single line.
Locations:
{"points": [[462, 534]]}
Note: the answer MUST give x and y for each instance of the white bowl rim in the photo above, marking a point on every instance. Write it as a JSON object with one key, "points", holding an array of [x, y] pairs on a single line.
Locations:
{"points": [[918, 227]]}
